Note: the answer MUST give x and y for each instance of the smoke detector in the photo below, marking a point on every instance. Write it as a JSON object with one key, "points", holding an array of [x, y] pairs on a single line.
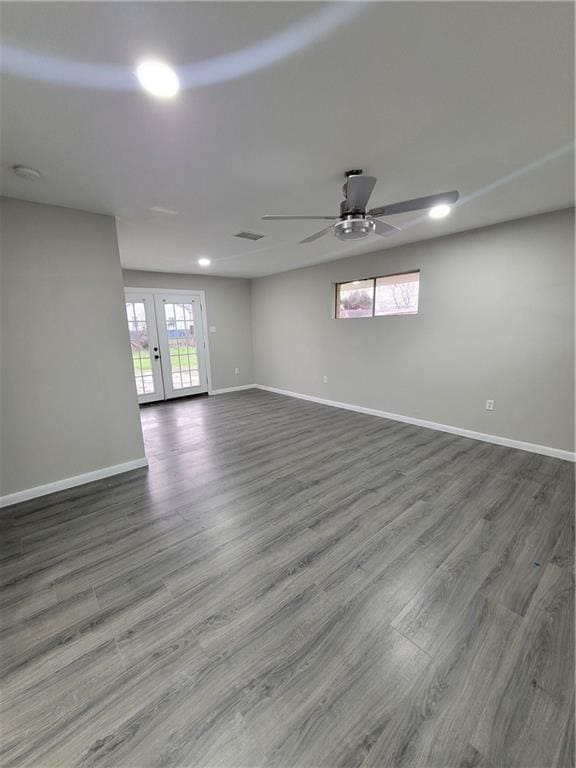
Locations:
{"points": [[31, 174]]}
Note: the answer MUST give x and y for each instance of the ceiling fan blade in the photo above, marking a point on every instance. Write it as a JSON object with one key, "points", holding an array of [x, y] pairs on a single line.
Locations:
{"points": [[383, 229], [274, 217], [358, 191], [316, 235], [417, 204]]}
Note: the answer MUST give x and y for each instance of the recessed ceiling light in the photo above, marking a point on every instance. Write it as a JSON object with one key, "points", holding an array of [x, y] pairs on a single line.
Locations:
{"points": [[204, 262], [158, 79], [31, 174], [439, 211], [168, 211]]}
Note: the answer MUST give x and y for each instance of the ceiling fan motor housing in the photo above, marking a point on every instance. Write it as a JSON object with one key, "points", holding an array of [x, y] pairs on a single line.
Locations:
{"points": [[353, 228]]}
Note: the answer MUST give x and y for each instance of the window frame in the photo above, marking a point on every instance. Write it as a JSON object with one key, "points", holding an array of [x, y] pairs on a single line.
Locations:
{"points": [[338, 285]]}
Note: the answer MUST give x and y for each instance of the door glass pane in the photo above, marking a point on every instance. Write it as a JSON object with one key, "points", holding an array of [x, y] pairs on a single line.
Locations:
{"points": [[139, 343], [179, 320]]}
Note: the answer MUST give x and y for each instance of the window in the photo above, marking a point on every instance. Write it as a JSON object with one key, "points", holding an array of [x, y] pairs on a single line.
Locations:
{"points": [[379, 296]]}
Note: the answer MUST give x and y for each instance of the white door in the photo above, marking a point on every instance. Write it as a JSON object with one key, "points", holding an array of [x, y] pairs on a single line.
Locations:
{"points": [[141, 315], [182, 348], [167, 345]]}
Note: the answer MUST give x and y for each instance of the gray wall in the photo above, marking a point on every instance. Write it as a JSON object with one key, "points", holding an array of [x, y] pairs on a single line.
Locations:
{"points": [[496, 321], [227, 307], [67, 396]]}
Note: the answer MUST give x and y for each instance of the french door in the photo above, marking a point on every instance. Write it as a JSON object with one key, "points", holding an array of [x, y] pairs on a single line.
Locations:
{"points": [[144, 347], [167, 345]]}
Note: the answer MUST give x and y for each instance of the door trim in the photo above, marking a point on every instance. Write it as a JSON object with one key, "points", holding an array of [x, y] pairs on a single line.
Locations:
{"points": [[197, 294]]}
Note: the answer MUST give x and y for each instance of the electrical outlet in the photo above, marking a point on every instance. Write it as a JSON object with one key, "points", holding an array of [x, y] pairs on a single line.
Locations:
{"points": [[236, 371], [325, 379], [489, 405], [212, 329]]}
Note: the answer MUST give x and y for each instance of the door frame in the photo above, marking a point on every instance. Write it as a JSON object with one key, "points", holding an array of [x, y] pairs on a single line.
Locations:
{"points": [[201, 297]]}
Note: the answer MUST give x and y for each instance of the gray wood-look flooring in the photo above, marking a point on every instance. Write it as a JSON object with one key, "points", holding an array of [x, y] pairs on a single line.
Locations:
{"points": [[293, 585]]}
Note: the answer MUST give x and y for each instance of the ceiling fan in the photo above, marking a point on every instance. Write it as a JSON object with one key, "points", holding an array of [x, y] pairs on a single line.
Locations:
{"points": [[355, 221]]}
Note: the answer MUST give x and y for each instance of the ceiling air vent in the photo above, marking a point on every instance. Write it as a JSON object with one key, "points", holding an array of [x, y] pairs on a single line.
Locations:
{"points": [[250, 235]]}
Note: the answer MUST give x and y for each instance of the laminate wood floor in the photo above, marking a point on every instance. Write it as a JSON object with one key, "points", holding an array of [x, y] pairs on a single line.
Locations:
{"points": [[293, 585]]}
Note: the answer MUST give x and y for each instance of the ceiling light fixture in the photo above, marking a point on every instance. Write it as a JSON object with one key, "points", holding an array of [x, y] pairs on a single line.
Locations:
{"points": [[158, 79], [439, 211], [204, 262], [30, 174]]}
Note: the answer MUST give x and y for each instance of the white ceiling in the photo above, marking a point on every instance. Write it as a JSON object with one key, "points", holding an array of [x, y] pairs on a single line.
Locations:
{"points": [[426, 96]]}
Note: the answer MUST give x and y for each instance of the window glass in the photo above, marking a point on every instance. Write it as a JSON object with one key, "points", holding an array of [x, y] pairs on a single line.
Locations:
{"points": [[397, 294], [355, 299]]}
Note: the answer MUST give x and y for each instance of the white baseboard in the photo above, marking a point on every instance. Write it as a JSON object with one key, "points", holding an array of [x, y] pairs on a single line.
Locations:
{"points": [[546, 450], [100, 474], [231, 389], [70, 482]]}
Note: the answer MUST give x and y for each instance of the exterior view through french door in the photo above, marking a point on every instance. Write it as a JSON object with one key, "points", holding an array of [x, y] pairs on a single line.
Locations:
{"points": [[167, 345]]}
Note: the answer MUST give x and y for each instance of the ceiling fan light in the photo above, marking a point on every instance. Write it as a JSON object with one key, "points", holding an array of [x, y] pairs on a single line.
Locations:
{"points": [[353, 228], [439, 211]]}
